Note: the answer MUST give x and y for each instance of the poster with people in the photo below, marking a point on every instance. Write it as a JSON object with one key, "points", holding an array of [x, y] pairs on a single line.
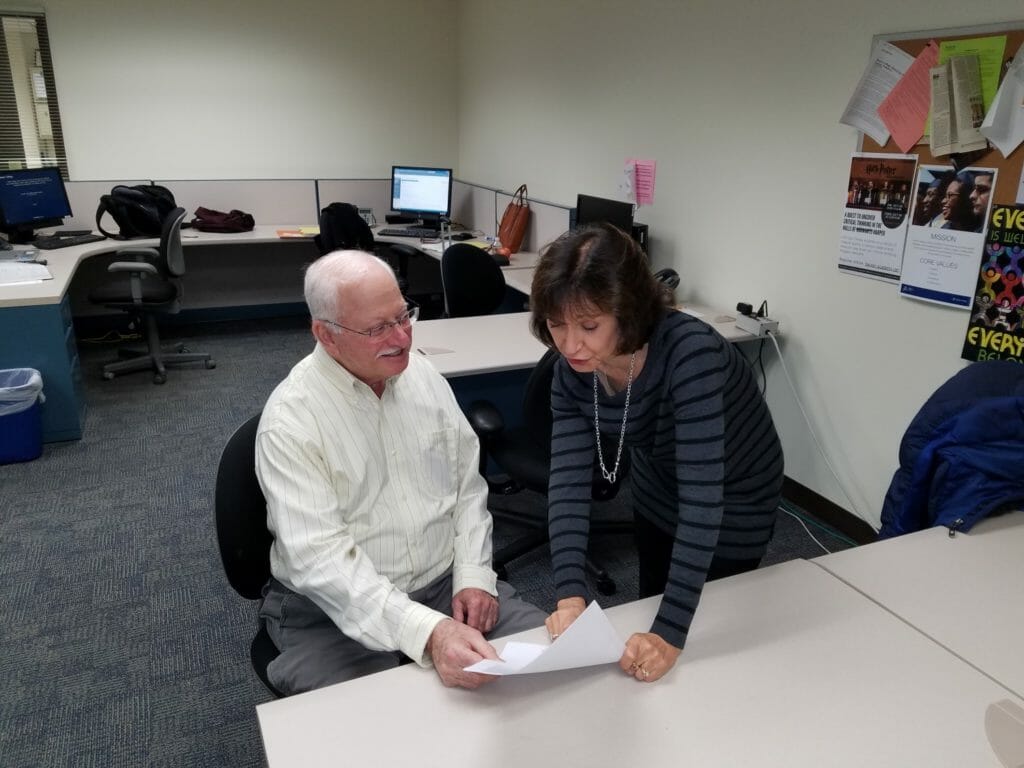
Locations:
{"points": [[947, 234], [875, 215], [995, 330]]}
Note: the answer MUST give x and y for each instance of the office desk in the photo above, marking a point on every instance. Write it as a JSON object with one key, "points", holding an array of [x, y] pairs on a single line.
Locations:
{"points": [[785, 666], [36, 329], [963, 592], [465, 346]]}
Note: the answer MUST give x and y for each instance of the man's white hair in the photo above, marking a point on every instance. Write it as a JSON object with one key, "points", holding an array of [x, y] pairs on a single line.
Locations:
{"points": [[326, 277]]}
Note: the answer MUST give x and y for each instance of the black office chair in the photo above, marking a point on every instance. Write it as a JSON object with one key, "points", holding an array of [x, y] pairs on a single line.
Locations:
{"points": [[342, 228], [473, 282], [241, 512], [149, 286], [524, 453]]}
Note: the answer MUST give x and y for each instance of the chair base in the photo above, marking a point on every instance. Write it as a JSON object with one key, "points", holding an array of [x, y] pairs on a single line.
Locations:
{"points": [[154, 357]]}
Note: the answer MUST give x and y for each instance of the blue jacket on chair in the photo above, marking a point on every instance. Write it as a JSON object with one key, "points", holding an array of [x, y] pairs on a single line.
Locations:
{"points": [[962, 457]]}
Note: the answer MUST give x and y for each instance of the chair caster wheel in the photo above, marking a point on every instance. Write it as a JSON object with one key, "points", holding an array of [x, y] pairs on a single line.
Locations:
{"points": [[210, 364], [605, 585], [159, 378], [108, 376]]}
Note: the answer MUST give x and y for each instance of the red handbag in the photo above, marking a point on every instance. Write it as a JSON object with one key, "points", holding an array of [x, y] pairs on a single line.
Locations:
{"points": [[512, 229]]}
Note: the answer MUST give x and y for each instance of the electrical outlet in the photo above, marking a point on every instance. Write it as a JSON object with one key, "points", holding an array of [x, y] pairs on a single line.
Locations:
{"points": [[756, 326]]}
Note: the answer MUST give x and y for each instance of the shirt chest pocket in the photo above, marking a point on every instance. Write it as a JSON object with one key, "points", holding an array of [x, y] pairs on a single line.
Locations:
{"points": [[431, 462]]}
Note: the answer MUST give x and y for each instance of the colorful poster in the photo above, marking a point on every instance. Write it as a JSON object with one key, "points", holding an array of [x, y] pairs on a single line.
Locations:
{"points": [[874, 224], [947, 234], [995, 330]]}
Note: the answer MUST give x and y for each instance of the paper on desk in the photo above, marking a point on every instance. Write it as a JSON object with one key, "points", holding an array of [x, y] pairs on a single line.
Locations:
{"points": [[21, 272], [589, 641], [1004, 123]]}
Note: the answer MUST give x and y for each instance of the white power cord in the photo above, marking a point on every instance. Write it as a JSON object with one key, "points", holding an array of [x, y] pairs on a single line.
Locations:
{"points": [[810, 428]]}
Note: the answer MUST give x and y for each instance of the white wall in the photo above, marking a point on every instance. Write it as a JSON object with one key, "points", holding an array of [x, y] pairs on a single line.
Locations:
{"points": [[738, 101], [205, 89]]}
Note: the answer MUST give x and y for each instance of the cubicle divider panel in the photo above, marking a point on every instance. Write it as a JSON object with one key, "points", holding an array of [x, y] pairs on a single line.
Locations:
{"points": [[363, 193], [473, 207], [547, 221], [288, 202], [84, 197]]}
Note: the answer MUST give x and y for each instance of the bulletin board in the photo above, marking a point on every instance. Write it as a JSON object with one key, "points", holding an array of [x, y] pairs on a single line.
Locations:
{"points": [[1009, 168]]}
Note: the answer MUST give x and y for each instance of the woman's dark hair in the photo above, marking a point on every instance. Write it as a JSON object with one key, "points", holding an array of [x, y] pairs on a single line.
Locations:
{"points": [[599, 266]]}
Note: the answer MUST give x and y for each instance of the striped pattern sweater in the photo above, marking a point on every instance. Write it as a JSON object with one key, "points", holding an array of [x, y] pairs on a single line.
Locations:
{"points": [[707, 465]]}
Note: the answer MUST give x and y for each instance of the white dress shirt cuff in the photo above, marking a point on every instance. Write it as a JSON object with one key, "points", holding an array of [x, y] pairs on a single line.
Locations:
{"points": [[469, 576], [419, 625]]}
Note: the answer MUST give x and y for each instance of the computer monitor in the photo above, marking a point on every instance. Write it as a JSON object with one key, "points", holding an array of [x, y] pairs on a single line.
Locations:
{"points": [[31, 198], [595, 210], [422, 192]]}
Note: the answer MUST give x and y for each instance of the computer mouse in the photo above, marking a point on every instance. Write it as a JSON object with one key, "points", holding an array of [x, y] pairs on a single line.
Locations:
{"points": [[458, 236], [500, 259]]}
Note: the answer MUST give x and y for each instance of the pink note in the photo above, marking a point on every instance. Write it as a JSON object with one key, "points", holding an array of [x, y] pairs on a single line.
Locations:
{"points": [[905, 110], [643, 183]]}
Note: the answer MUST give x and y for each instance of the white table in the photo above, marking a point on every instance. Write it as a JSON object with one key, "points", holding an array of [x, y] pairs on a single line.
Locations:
{"points": [[963, 592], [785, 666], [463, 346]]}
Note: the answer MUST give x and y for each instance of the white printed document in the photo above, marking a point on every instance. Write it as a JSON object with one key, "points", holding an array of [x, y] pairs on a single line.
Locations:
{"points": [[589, 641], [22, 273]]}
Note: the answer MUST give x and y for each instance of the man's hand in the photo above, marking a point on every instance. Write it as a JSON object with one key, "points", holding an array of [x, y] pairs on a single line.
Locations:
{"points": [[566, 612], [453, 646], [476, 608], [648, 657]]}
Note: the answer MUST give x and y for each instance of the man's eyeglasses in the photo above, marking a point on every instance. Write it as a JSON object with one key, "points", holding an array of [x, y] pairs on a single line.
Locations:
{"points": [[405, 320]]}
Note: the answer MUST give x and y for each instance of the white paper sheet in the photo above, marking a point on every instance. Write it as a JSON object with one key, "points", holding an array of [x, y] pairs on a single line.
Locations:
{"points": [[1004, 123], [21, 273], [888, 64], [589, 641]]}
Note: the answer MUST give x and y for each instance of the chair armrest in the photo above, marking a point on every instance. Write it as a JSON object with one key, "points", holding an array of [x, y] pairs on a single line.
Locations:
{"points": [[485, 419], [133, 266]]}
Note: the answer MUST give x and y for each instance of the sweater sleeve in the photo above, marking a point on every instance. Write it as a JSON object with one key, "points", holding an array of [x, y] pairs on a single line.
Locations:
{"points": [[572, 459], [697, 373]]}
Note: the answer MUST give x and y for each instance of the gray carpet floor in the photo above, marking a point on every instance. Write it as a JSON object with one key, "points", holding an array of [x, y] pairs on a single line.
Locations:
{"points": [[123, 644]]}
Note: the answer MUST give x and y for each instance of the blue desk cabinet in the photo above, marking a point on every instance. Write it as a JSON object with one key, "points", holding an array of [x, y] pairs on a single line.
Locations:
{"points": [[43, 337]]}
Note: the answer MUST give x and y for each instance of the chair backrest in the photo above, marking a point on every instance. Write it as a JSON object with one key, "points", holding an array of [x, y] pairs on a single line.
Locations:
{"points": [[170, 242], [241, 512], [342, 228], [473, 283]]}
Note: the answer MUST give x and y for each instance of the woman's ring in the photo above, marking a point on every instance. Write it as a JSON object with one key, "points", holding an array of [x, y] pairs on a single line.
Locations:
{"points": [[643, 670]]}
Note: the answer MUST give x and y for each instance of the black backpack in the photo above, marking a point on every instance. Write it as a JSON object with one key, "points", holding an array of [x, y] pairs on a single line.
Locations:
{"points": [[342, 228], [139, 210]]}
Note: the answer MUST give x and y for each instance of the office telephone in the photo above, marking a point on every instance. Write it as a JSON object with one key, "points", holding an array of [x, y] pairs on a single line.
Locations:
{"points": [[368, 217]]}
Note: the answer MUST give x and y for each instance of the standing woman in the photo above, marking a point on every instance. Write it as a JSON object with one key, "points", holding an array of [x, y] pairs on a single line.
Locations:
{"points": [[706, 461]]}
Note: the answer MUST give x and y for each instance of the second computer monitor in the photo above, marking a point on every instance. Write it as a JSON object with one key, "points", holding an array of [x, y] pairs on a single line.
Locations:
{"points": [[595, 210], [422, 192], [31, 198]]}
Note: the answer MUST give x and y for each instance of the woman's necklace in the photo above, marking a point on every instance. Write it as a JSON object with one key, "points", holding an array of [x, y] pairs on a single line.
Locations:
{"points": [[610, 476]]}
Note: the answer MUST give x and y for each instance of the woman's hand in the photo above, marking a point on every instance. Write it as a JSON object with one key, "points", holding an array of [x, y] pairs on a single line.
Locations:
{"points": [[648, 657], [566, 612]]}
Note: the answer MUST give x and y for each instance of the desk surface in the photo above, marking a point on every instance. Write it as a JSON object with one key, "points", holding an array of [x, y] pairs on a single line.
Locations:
{"points": [[785, 666], [964, 592], [62, 262], [461, 346]]}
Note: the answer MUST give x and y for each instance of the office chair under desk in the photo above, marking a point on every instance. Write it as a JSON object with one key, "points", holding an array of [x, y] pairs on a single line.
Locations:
{"points": [[342, 228], [242, 535], [148, 286], [473, 282], [524, 454]]}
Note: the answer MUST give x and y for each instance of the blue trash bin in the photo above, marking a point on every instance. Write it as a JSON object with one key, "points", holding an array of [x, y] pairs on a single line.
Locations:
{"points": [[21, 423]]}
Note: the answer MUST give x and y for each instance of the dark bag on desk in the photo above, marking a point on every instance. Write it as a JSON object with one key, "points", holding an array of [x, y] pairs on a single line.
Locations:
{"points": [[139, 211], [209, 220]]}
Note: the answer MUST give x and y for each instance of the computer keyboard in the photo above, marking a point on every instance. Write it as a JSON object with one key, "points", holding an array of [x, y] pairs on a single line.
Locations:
{"points": [[49, 242], [408, 232]]}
